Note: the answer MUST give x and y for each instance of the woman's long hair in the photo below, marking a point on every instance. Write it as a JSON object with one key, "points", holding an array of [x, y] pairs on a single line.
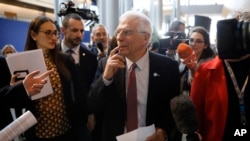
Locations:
{"points": [[55, 53], [207, 52]]}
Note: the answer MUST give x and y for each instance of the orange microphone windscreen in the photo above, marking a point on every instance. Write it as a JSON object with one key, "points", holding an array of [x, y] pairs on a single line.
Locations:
{"points": [[184, 50]]}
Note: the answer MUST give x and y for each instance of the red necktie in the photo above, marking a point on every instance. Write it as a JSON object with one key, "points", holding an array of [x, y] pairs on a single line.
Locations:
{"points": [[132, 117]]}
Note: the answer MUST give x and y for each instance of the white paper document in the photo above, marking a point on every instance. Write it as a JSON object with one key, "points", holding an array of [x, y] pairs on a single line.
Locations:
{"points": [[18, 126], [139, 134], [26, 62]]}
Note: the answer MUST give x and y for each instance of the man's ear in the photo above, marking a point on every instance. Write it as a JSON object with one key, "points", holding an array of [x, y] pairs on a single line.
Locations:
{"points": [[146, 36]]}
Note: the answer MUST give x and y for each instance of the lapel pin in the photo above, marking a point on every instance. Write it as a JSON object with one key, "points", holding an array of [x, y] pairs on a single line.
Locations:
{"points": [[155, 74], [83, 54]]}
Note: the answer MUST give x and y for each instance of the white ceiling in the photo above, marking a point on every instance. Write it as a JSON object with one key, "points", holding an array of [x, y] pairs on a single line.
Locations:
{"points": [[50, 3], [43, 3]]}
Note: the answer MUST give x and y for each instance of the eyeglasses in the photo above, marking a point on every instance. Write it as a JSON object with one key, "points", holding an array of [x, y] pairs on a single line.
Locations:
{"points": [[126, 32], [198, 41], [100, 34], [50, 33]]}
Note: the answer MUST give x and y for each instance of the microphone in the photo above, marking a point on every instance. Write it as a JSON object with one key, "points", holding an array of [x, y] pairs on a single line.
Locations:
{"points": [[185, 52], [100, 46], [183, 111]]}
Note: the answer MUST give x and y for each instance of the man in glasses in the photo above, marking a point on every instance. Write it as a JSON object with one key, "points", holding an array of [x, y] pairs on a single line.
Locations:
{"points": [[137, 85]]}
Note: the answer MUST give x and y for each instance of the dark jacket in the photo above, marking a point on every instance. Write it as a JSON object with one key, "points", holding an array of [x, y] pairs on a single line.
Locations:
{"points": [[162, 88], [71, 95], [9, 95], [86, 73]]}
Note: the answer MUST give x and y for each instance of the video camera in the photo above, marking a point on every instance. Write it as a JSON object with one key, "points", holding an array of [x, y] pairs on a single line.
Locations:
{"points": [[172, 40], [86, 14], [233, 38]]}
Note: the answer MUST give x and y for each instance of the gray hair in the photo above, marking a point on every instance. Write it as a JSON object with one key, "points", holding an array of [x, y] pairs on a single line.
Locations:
{"points": [[98, 25], [144, 22], [6, 46]]}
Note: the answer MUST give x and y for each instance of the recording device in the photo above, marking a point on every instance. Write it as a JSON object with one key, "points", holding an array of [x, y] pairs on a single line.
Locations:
{"points": [[172, 40], [183, 111], [100, 46], [22, 74], [233, 38], [87, 14]]}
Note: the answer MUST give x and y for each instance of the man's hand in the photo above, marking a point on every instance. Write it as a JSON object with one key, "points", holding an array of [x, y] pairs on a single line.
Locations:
{"points": [[101, 55], [114, 62], [32, 84], [91, 122], [159, 135], [13, 79], [191, 62]]}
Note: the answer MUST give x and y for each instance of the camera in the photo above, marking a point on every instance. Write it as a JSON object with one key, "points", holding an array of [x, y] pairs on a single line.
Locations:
{"points": [[86, 14], [172, 40], [233, 38]]}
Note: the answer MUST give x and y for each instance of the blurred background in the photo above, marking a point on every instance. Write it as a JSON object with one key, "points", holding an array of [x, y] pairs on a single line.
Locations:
{"points": [[16, 14]]}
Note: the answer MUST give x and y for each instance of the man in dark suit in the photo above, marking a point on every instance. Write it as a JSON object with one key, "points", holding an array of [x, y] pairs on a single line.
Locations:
{"points": [[86, 61], [10, 94], [157, 82]]}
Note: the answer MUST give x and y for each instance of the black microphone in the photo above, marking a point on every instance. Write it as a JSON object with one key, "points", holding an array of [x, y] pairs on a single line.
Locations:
{"points": [[100, 46], [183, 111]]}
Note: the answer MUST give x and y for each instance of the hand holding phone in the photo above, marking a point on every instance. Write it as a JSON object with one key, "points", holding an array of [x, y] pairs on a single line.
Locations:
{"points": [[21, 74]]}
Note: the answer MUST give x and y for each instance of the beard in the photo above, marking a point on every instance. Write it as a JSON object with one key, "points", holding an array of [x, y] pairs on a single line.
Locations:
{"points": [[75, 42]]}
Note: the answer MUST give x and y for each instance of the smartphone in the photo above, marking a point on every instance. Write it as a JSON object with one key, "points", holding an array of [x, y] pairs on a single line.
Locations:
{"points": [[23, 74]]}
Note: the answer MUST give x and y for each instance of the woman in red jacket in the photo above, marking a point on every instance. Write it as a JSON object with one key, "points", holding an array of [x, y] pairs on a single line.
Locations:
{"points": [[220, 89]]}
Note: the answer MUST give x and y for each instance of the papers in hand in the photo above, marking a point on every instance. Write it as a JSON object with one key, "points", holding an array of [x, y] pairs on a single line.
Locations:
{"points": [[29, 61], [139, 134], [18, 126]]}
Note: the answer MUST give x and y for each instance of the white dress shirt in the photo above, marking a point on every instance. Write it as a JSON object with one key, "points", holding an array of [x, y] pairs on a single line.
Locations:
{"points": [[142, 81], [75, 50]]}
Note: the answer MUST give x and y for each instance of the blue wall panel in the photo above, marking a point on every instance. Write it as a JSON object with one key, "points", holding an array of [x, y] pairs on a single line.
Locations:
{"points": [[15, 32]]}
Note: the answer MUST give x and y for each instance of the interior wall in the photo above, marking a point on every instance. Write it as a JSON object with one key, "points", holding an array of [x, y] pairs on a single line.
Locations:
{"points": [[23, 14], [13, 32]]}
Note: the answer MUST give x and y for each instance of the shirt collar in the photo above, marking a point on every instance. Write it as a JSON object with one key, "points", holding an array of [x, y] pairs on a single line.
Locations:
{"points": [[65, 48], [140, 63]]}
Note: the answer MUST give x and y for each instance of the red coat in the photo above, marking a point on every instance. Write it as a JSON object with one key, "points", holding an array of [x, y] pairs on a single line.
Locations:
{"points": [[210, 96]]}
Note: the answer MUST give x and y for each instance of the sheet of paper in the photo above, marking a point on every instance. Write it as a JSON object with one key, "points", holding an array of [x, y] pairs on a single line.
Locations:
{"points": [[139, 134], [18, 126], [26, 62]]}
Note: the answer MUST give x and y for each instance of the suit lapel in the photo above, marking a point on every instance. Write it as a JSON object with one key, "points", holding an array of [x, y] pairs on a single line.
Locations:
{"points": [[152, 80], [120, 82]]}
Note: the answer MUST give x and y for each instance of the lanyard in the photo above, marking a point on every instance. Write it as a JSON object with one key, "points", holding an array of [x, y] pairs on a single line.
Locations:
{"points": [[240, 93]]}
